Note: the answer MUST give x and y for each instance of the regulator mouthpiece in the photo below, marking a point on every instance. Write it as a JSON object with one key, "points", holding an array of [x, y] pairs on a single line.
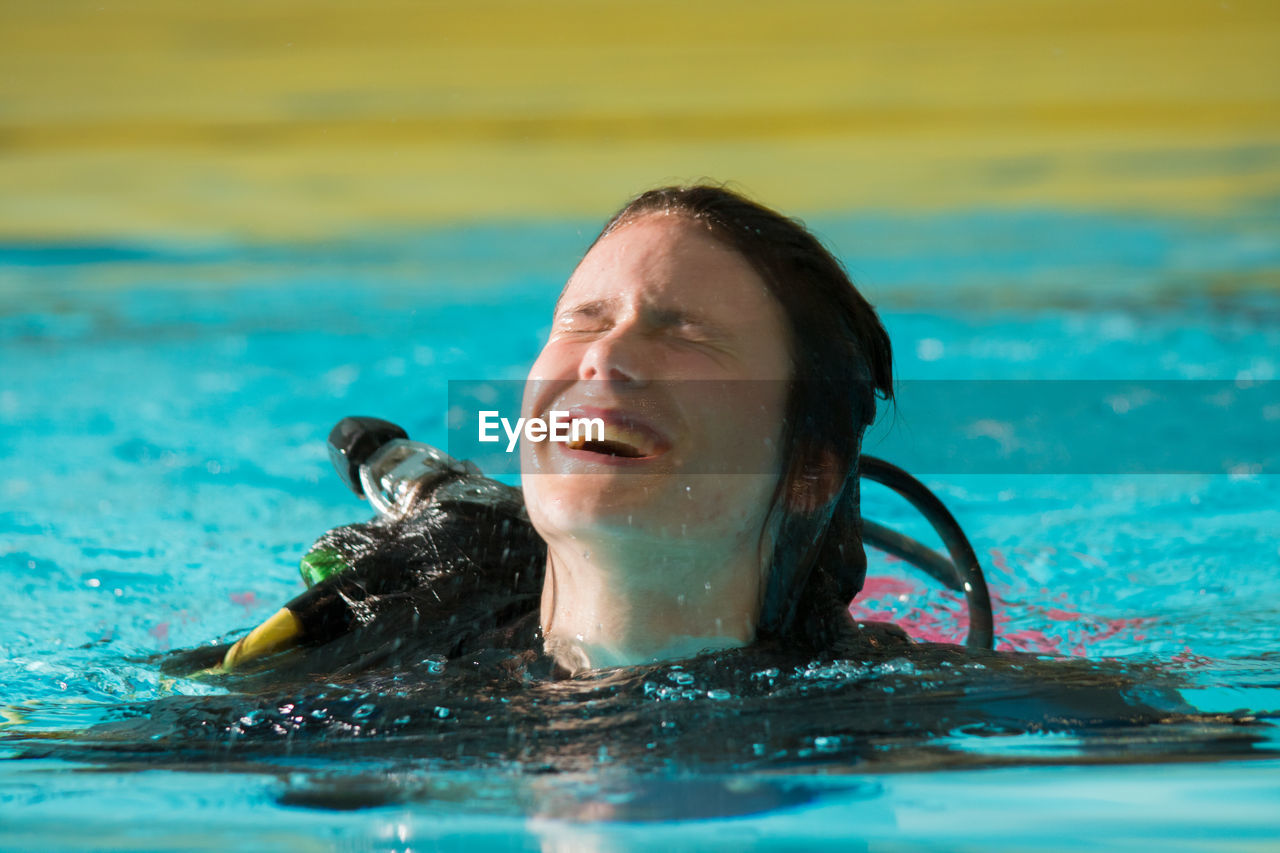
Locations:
{"points": [[354, 440], [379, 462]]}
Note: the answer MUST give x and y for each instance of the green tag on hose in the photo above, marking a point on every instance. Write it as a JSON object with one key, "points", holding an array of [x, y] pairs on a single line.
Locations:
{"points": [[319, 564]]}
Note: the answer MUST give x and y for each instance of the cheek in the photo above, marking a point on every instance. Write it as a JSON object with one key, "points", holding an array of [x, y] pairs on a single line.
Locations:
{"points": [[743, 436], [541, 367], [547, 378], [557, 360]]}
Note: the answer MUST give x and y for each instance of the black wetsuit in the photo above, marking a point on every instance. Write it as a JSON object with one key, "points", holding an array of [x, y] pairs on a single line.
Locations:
{"points": [[450, 576]]}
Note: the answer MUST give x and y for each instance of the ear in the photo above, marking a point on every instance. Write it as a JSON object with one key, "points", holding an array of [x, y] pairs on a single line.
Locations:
{"points": [[817, 483]]}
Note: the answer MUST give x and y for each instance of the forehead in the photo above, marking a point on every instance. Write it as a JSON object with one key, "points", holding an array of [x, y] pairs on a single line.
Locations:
{"points": [[663, 257]]}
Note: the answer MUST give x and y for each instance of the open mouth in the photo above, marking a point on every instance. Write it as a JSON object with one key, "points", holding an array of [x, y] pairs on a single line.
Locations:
{"points": [[609, 448], [621, 441]]}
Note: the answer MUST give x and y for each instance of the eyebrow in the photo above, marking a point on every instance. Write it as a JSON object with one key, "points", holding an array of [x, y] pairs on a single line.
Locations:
{"points": [[590, 309]]}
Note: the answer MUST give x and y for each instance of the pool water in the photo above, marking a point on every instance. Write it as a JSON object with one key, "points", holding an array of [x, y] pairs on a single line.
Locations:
{"points": [[163, 410]]}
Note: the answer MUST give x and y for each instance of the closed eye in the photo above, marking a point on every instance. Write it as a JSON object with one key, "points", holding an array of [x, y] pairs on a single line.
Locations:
{"points": [[687, 326], [589, 317], [694, 333], [582, 324]]}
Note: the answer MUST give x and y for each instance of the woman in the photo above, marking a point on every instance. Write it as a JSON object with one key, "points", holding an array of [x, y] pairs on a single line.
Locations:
{"points": [[734, 367]]}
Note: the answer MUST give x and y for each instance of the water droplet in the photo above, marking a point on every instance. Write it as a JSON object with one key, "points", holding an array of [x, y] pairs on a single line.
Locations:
{"points": [[826, 744], [718, 695]]}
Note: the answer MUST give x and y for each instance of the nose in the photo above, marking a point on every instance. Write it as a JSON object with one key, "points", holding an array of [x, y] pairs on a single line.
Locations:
{"points": [[615, 357]]}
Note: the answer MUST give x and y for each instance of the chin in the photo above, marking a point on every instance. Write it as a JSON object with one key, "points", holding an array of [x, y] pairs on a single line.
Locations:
{"points": [[580, 504]]}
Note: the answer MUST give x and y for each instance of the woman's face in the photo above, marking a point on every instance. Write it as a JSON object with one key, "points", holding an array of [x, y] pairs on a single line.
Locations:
{"points": [[672, 339]]}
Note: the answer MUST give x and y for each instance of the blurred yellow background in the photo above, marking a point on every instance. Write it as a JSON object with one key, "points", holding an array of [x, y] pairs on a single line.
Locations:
{"points": [[268, 120]]}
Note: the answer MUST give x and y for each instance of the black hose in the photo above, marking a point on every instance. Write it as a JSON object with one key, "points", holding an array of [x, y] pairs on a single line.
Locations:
{"points": [[913, 551], [964, 571]]}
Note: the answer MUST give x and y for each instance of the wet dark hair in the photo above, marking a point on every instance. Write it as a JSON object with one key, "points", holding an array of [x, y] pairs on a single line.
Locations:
{"points": [[841, 360]]}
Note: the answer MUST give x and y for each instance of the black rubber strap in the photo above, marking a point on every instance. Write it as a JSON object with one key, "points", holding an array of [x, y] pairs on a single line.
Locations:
{"points": [[965, 572]]}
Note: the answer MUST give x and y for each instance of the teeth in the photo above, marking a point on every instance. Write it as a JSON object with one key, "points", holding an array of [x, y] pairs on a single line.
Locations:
{"points": [[618, 434], [630, 437]]}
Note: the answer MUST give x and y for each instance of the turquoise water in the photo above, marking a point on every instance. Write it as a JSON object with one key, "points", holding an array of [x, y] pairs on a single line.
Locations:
{"points": [[163, 411]]}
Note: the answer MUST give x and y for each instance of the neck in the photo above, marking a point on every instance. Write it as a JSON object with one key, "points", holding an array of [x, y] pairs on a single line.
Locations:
{"points": [[628, 602]]}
